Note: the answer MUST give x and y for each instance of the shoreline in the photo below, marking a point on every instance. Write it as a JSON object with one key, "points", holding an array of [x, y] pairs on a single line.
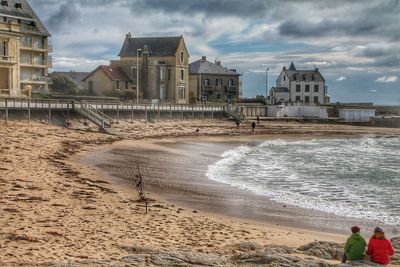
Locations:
{"points": [[208, 196]]}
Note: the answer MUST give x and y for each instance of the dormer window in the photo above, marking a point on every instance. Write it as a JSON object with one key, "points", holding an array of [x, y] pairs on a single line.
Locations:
{"points": [[18, 5]]}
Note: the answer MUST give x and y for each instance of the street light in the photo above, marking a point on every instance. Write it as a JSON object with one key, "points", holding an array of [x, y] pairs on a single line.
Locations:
{"points": [[266, 92], [137, 74]]}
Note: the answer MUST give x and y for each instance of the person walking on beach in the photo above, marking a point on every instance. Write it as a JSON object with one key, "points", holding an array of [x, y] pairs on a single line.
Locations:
{"points": [[253, 126], [380, 248], [354, 250]]}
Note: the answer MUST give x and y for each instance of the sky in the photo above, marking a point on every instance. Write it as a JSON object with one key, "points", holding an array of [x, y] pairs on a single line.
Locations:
{"points": [[354, 43]]}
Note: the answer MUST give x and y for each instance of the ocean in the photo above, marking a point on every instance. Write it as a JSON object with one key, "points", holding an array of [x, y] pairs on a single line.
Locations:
{"points": [[357, 178]]}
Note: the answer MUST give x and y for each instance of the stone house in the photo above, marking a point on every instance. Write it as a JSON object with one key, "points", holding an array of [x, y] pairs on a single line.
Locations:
{"points": [[105, 80], [211, 81], [303, 86], [24, 50], [159, 65]]}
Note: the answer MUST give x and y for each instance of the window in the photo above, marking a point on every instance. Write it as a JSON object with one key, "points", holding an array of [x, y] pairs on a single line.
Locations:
{"points": [[90, 89], [316, 99], [297, 98], [217, 82], [298, 87], [169, 74], [316, 88], [162, 73], [182, 92], [117, 85], [230, 83], [207, 82], [126, 85], [182, 57], [182, 74], [307, 99], [307, 90], [284, 77], [4, 48]]}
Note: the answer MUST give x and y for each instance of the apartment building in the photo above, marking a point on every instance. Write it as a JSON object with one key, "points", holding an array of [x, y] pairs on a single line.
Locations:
{"points": [[24, 50], [212, 81]]}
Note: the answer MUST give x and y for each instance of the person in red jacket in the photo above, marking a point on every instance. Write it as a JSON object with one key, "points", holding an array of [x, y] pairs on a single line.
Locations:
{"points": [[380, 248]]}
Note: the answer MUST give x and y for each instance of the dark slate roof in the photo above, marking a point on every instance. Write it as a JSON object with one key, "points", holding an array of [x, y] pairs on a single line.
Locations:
{"points": [[205, 67], [292, 67], [24, 13], [280, 89], [158, 46], [114, 72], [304, 75]]}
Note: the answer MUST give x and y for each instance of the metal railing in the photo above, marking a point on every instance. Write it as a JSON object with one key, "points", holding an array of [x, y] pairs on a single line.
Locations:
{"points": [[34, 45], [34, 61], [33, 78], [28, 28]]}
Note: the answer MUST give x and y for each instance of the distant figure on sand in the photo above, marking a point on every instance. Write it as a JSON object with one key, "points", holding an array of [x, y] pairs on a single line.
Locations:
{"points": [[237, 124], [253, 126], [380, 248], [354, 250]]}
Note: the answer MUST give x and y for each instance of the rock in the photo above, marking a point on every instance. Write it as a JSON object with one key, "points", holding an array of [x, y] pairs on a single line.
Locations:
{"points": [[187, 258], [276, 260], [324, 250], [134, 260]]}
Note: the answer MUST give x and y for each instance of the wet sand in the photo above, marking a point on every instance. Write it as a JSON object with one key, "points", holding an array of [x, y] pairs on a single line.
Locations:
{"points": [[175, 171]]}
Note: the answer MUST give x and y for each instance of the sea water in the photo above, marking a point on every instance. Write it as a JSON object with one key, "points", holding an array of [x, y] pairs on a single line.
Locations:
{"points": [[357, 178]]}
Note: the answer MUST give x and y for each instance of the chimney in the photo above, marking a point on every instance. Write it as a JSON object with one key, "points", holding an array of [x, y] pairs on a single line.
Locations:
{"points": [[284, 68], [218, 62], [203, 58], [128, 35], [316, 70]]}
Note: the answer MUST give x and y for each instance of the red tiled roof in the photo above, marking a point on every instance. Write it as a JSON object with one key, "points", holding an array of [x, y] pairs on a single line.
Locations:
{"points": [[115, 73]]}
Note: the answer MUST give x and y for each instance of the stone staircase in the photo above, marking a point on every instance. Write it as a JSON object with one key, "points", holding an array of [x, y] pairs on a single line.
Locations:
{"points": [[93, 114], [231, 112]]}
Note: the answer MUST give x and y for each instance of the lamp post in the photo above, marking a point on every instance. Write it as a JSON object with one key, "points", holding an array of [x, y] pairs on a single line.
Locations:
{"points": [[266, 82], [137, 74]]}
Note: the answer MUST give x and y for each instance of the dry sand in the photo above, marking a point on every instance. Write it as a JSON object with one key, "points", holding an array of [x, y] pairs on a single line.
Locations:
{"points": [[52, 211]]}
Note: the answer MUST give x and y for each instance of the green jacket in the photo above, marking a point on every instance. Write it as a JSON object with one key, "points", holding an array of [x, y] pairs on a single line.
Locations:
{"points": [[355, 247]]}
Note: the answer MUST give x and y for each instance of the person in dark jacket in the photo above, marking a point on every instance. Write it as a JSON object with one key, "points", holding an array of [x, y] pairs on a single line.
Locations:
{"points": [[380, 248], [253, 126], [354, 249]]}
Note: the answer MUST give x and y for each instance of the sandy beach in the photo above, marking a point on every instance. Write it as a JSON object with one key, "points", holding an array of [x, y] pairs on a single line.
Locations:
{"points": [[58, 208]]}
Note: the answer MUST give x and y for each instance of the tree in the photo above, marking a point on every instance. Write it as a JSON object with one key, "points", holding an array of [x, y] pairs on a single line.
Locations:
{"points": [[64, 84]]}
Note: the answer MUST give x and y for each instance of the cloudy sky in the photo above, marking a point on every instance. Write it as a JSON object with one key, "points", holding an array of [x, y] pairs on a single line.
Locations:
{"points": [[355, 43]]}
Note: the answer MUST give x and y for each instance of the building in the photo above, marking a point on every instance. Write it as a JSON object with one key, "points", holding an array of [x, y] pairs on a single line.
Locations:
{"points": [[356, 115], [302, 86], [211, 81], [159, 65], [107, 79], [75, 76], [24, 50]]}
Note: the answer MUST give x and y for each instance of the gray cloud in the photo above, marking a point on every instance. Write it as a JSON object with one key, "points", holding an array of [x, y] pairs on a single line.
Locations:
{"points": [[68, 13]]}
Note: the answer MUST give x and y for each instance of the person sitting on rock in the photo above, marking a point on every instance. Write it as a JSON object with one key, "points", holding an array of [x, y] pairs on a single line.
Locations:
{"points": [[354, 250], [380, 248]]}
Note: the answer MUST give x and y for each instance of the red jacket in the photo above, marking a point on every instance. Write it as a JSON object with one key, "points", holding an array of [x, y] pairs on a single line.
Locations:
{"points": [[380, 250]]}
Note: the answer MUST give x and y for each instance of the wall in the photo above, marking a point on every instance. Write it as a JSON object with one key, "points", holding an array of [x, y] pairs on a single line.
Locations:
{"points": [[101, 83], [297, 111], [356, 115]]}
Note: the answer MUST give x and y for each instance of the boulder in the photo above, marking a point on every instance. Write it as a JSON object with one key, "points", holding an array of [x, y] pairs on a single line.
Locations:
{"points": [[323, 249]]}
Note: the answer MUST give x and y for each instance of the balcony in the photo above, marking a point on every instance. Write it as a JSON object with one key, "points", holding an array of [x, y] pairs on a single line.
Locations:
{"points": [[29, 29], [7, 60], [33, 79], [35, 62], [231, 89], [36, 46]]}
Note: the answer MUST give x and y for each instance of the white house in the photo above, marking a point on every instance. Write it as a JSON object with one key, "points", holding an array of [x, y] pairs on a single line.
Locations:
{"points": [[304, 86]]}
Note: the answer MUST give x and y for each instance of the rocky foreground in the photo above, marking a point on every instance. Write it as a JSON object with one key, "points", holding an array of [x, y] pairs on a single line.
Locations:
{"points": [[315, 254]]}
